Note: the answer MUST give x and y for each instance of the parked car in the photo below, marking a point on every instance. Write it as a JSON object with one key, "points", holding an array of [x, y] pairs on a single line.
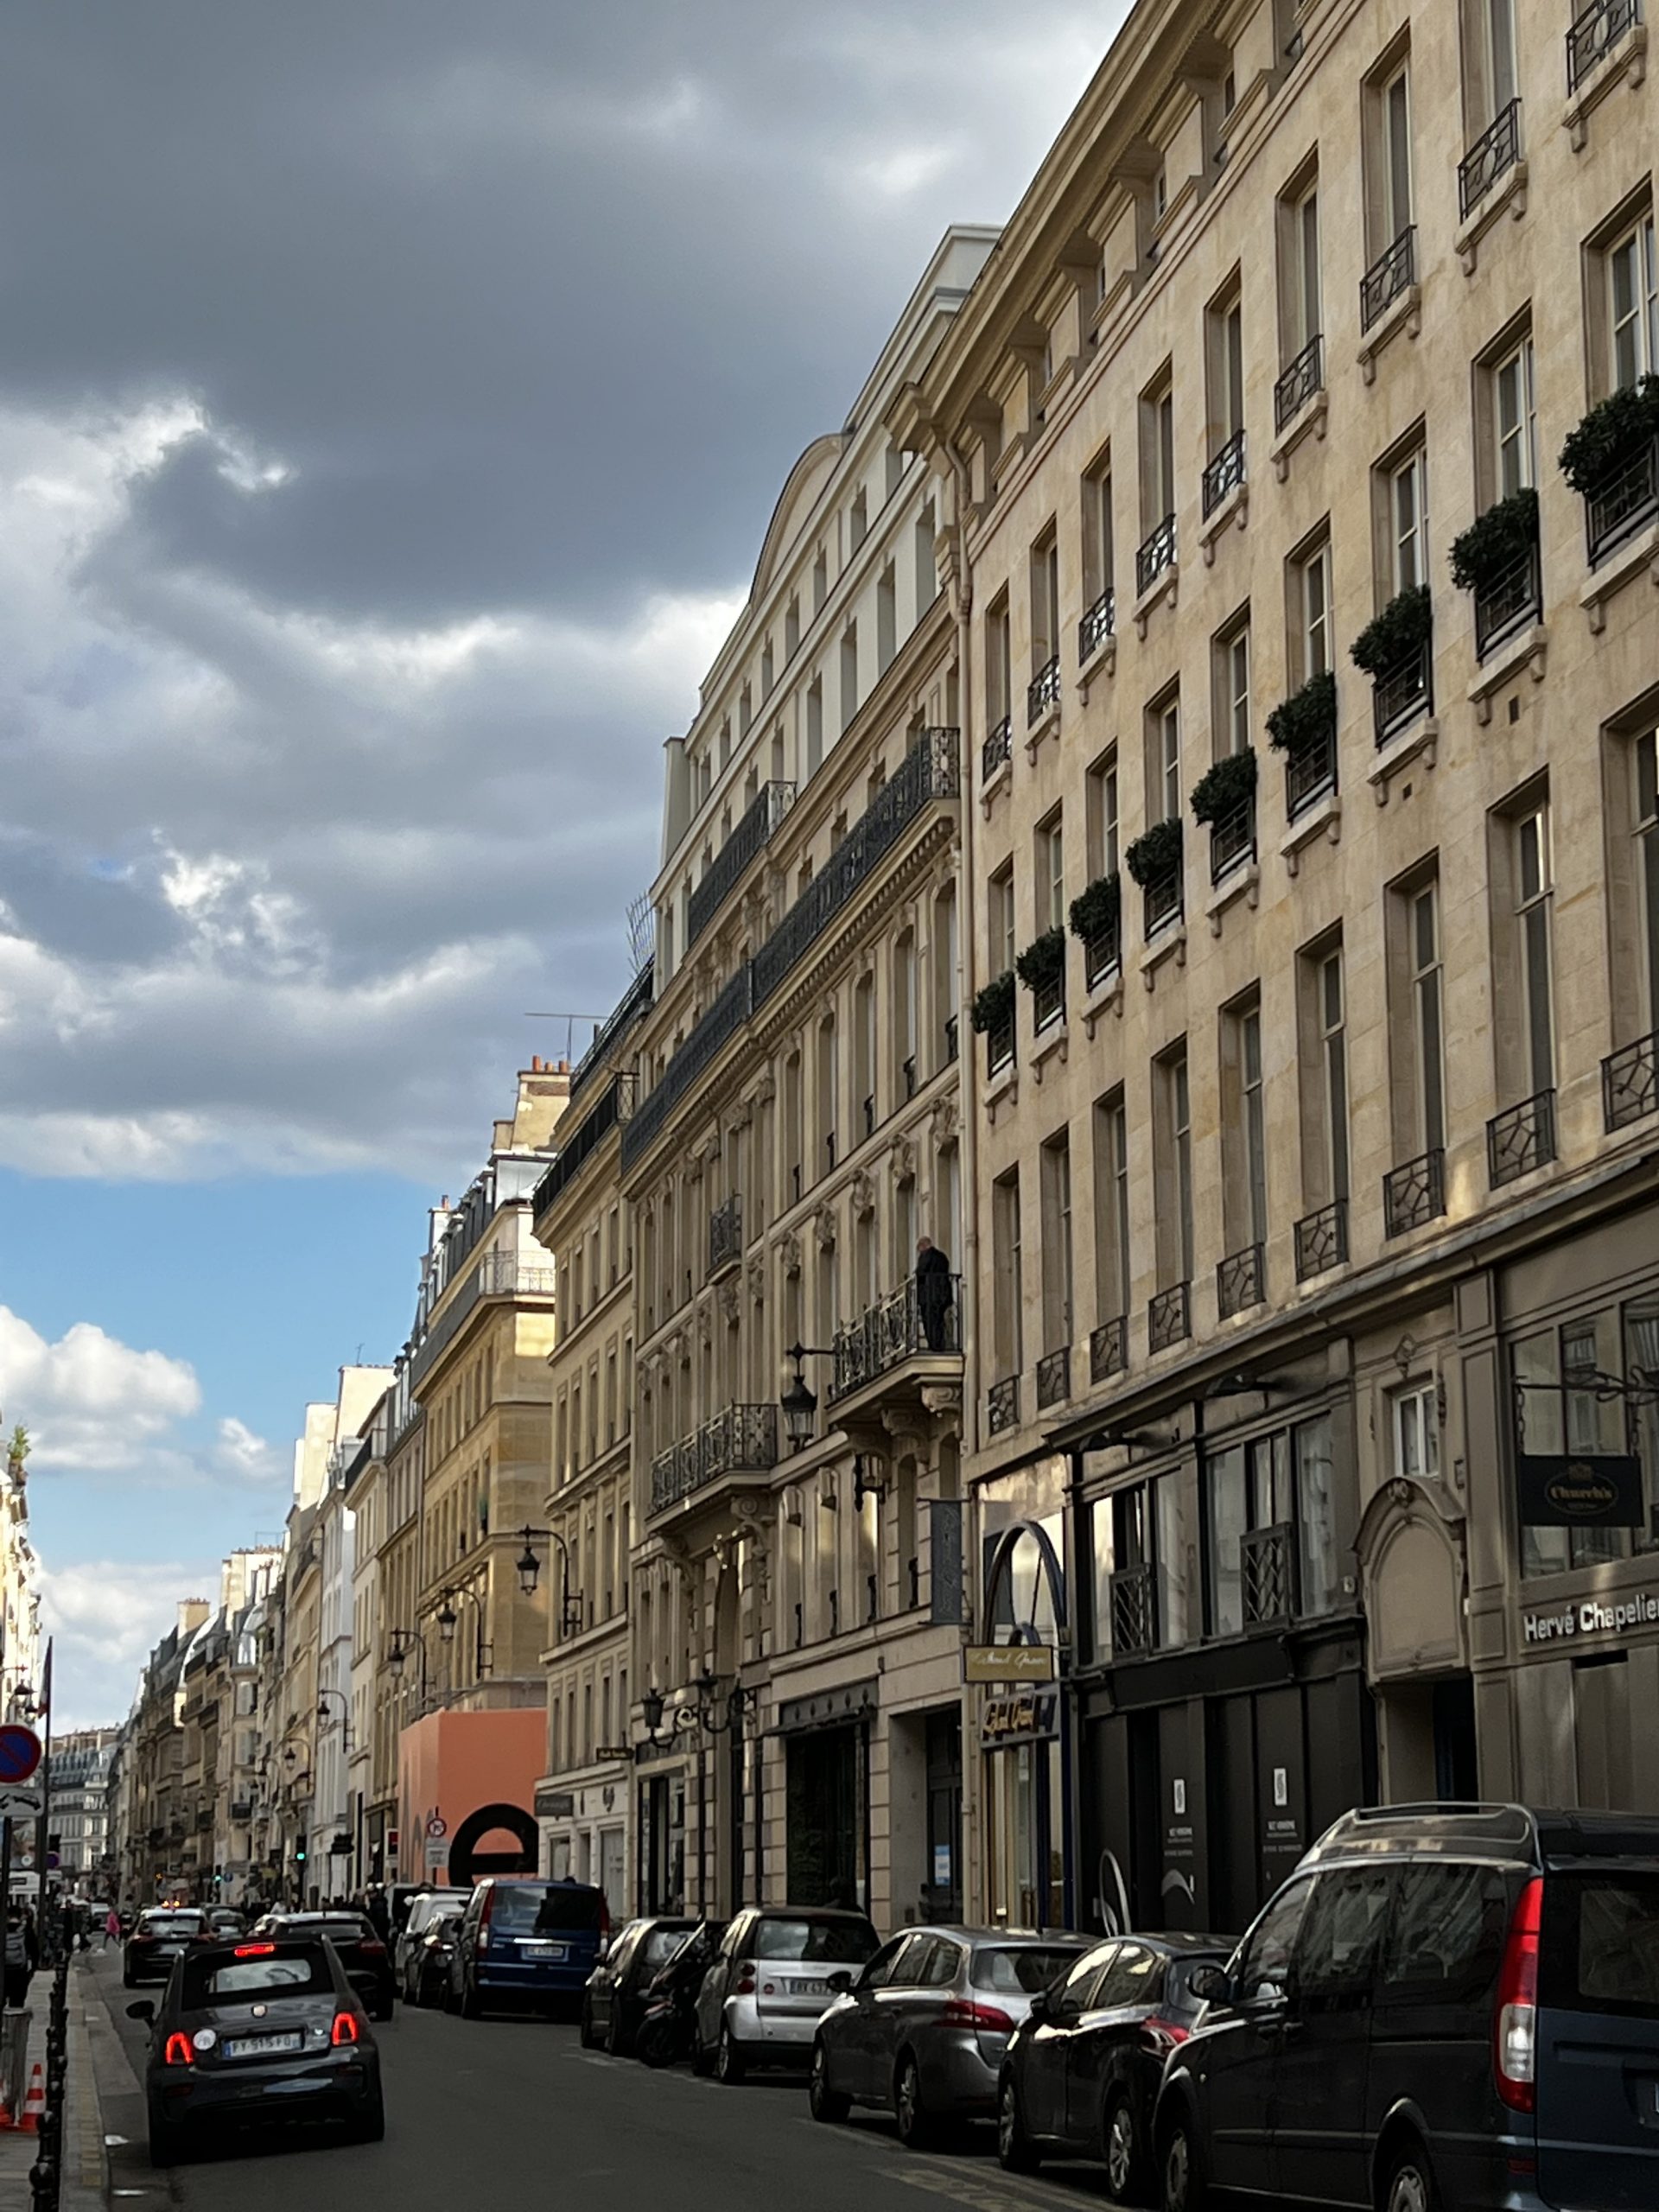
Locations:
{"points": [[1446, 2005], [362, 1952], [400, 1896], [257, 2030], [522, 1942], [425, 1944], [922, 2029], [159, 1936], [1082, 2072], [761, 2000], [613, 2003], [226, 1920]]}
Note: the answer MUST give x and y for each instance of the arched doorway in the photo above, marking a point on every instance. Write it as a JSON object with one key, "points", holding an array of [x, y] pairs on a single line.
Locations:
{"points": [[1027, 1785]]}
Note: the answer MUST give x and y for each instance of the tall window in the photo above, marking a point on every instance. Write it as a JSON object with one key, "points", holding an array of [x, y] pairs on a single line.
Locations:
{"points": [[1300, 311], [1392, 153], [1423, 954], [1644, 764], [1050, 872], [1225, 363], [999, 663], [1408, 497], [1244, 1126], [1158, 451], [1415, 1430], [1310, 596], [1045, 601], [1174, 1166], [1231, 661], [1164, 764], [1103, 816], [1055, 1164], [1633, 304], [1001, 922], [1005, 1232], [1532, 904], [1326, 1094], [849, 674], [1515, 432], [1097, 547], [1271, 1528], [1490, 59], [1112, 1280]]}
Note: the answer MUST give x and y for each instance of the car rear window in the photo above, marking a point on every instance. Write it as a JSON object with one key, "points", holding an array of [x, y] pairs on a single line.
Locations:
{"points": [[278, 1970], [562, 1908], [1019, 1971], [172, 1924], [824, 1942], [1600, 1948], [661, 1945]]}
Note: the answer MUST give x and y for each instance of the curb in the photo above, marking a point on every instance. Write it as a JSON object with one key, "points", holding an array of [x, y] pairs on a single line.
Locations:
{"points": [[104, 2091]]}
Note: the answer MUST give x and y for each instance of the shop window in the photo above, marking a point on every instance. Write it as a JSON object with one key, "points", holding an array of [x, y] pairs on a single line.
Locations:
{"points": [[1564, 1403], [1139, 1548], [1270, 1536], [1414, 1428]]}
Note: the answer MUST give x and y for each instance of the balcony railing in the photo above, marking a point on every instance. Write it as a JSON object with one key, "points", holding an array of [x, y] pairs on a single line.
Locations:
{"points": [[1102, 954], [1043, 692], [1002, 1405], [1415, 1192], [1595, 35], [1508, 603], [725, 1235], [497, 1274], [1224, 472], [1157, 553], [1054, 1377], [1163, 902], [751, 833], [997, 750], [1496, 151], [1239, 1282], [1048, 1002], [1097, 624], [726, 1014], [913, 1322], [1169, 1320], [627, 1010], [1399, 694], [1310, 773], [614, 1104], [1267, 1565], [1630, 1082], [1322, 1240], [1521, 1138], [1625, 500], [999, 1046], [1298, 382], [1391, 274], [1232, 840], [741, 1440], [1106, 1350], [1132, 1595]]}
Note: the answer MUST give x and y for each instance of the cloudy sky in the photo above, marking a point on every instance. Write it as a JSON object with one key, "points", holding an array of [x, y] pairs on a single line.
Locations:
{"points": [[393, 397]]}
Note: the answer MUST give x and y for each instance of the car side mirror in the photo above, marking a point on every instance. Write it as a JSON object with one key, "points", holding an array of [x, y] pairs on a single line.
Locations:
{"points": [[1210, 1985], [1039, 2007], [143, 2009], [839, 1983]]}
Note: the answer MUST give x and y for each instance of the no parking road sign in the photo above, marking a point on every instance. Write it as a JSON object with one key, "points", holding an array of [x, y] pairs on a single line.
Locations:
{"points": [[20, 1751]]}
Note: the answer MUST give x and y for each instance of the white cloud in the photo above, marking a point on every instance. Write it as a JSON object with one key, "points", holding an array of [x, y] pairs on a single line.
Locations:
{"points": [[90, 1402], [104, 1616]]}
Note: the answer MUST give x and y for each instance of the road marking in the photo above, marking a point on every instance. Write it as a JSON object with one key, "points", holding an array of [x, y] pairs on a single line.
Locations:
{"points": [[951, 2179]]}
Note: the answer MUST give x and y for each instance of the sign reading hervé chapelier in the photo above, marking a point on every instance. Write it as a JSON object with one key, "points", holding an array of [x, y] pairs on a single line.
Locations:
{"points": [[1579, 1490], [1592, 1616]]}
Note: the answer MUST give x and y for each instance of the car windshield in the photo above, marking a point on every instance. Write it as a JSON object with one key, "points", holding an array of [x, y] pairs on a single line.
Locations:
{"points": [[1600, 1951], [1020, 1972], [270, 1970], [562, 1907], [824, 1942]]}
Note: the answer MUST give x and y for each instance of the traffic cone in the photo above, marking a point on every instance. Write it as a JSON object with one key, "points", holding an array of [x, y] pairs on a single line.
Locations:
{"points": [[35, 2103], [6, 2119]]}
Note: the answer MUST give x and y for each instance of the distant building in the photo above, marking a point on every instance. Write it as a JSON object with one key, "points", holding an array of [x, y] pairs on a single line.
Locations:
{"points": [[80, 1808]]}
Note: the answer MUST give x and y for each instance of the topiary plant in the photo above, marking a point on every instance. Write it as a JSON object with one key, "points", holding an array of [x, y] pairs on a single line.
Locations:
{"points": [[1224, 788], [1401, 629], [1156, 853], [1043, 961], [1495, 541], [1095, 912], [993, 1007], [1308, 716], [1614, 428]]}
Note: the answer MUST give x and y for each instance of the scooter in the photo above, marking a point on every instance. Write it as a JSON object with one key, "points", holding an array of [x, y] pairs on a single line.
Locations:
{"points": [[668, 2032]]}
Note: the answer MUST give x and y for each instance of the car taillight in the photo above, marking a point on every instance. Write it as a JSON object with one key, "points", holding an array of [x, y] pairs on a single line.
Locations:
{"points": [[178, 2051], [371, 1948], [1164, 2033], [136, 1939], [1515, 2026], [255, 1950], [745, 1982], [984, 2019], [345, 2029]]}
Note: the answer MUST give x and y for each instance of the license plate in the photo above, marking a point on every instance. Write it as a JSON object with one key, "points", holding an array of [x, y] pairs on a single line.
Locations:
{"points": [[544, 1950], [810, 1988], [262, 2046]]}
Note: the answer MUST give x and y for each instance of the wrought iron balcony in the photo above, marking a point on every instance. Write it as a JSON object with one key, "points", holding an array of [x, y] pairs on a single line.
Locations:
{"points": [[627, 1010], [905, 1325], [1495, 152], [1322, 1240], [1508, 603], [1625, 501], [1097, 624], [1266, 1563], [741, 1440], [497, 1274], [1310, 773], [1132, 1599], [751, 833], [1106, 1353], [1595, 35], [725, 1235], [1392, 273], [1399, 694], [1232, 840], [999, 1046], [1054, 1377], [1224, 473], [1157, 553], [1048, 1004], [1043, 692], [613, 1105], [1630, 1082], [1169, 1319], [1102, 954], [1163, 901], [1415, 1192], [1521, 1138], [726, 1014], [1239, 1282], [1300, 380], [997, 750], [1002, 1405]]}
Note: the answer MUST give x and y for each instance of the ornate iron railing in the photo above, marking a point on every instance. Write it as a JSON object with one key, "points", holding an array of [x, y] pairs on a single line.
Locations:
{"points": [[1509, 602], [1310, 771], [750, 833], [1266, 1563], [905, 1324], [725, 1235], [999, 1046], [1106, 1357], [1322, 1240], [997, 750], [1043, 692], [1132, 1598], [1239, 1282], [1399, 694], [1393, 273], [1414, 1191], [1625, 500], [627, 1010], [1496, 150], [1097, 624], [1048, 1002], [1102, 954], [1163, 901], [1157, 553], [497, 1274], [727, 1013], [1232, 840], [1054, 1377], [1002, 1405], [1521, 1138], [1169, 1319], [741, 1440], [1630, 1081], [1224, 473], [1299, 381], [1594, 34], [615, 1104]]}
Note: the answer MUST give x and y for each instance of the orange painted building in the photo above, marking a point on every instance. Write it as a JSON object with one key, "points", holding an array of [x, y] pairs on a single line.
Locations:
{"points": [[476, 1772]]}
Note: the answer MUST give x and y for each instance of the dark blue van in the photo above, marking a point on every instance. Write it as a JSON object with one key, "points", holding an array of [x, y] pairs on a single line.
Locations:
{"points": [[525, 1943]]}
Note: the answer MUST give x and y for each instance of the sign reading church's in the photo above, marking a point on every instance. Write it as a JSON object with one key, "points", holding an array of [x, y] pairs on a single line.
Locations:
{"points": [[1579, 1490]]}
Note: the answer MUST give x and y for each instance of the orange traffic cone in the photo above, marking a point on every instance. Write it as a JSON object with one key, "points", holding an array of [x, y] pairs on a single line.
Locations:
{"points": [[6, 2119], [35, 2103]]}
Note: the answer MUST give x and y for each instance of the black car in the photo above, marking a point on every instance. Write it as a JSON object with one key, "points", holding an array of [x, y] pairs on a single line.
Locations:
{"points": [[254, 2032], [1446, 2005], [1082, 2069], [613, 2003], [159, 1936], [362, 1951]]}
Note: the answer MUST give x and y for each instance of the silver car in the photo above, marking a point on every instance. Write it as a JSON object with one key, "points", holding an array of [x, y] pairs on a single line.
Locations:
{"points": [[922, 2030], [761, 2000], [417, 1964]]}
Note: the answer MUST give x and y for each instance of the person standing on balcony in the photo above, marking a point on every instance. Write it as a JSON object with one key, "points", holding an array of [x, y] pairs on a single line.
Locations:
{"points": [[933, 1293]]}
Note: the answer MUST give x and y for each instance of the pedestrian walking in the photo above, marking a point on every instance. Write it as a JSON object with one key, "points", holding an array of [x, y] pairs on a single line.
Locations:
{"points": [[22, 1954], [933, 1293], [111, 1928]]}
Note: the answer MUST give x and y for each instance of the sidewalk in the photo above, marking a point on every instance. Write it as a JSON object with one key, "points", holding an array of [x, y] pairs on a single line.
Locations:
{"points": [[83, 2187]]}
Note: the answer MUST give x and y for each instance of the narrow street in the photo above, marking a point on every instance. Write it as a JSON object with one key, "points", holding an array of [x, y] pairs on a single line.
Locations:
{"points": [[518, 2106]]}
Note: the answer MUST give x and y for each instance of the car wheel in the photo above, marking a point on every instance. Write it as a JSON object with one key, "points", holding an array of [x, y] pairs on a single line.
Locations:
{"points": [[1014, 2148], [915, 2123], [729, 2063], [1186, 2188], [1411, 2184], [1120, 2143], [828, 2105], [167, 2141], [372, 2127], [589, 2038]]}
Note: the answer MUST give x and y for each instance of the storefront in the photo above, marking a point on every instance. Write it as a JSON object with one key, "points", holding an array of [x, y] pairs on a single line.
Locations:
{"points": [[584, 1836], [826, 1744], [659, 1834], [1025, 1827]]}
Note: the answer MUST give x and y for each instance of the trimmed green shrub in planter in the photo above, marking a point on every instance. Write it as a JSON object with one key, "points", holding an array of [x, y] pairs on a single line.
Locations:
{"points": [[1043, 961], [1611, 433], [1492, 544], [1095, 912], [1308, 716], [1393, 636], [1225, 788], [993, 1008], [1156, 854]]}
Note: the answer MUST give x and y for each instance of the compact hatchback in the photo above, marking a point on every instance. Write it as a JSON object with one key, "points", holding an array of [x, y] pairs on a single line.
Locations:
{"points": [[761, 2000], [522, 1943], [160, 1938], [1446, 2005], [425, 1944], [359, 1944], [618, 1988]]}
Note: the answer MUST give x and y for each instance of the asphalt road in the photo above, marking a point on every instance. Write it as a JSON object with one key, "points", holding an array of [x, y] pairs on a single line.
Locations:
{"points": [[517, 2106]]}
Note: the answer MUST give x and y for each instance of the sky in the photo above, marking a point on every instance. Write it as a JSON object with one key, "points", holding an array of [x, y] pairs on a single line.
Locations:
{"points": [[393, 397]]}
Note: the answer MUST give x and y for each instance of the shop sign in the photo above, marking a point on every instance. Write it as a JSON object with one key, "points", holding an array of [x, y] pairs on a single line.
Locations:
{"points": [[1008, 1663], [1019, 1717], [1579, 1490], [556, 1805], [1592, 1616]]}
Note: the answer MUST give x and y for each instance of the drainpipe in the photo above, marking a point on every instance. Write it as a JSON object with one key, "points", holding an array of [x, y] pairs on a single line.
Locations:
{"points": [[967, 1057]]}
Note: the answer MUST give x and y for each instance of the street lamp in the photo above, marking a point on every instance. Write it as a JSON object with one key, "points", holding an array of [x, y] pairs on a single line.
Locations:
{"points": [[323, 1716], [447, 1620], [798, 1401], [571, 1616], [715, 1718]]}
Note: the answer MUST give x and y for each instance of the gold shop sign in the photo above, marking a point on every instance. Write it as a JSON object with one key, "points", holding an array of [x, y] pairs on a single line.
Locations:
{"points": [[1008, 1663]]}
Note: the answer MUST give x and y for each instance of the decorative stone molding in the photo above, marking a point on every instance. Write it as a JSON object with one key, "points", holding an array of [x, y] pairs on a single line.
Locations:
{"points": [[1168, 944], [789, 1247], [728, 1295], [1309, 421], [1509, 193], [1615, 572], [1625, 62], [705, 1323], [757, 1278], [1241, 883], [1165, 586], [1233, 509], [945, 1118], [1050, 1044], [1420, 742], [1528, 649], [1107, 997], [904, 1161], [1324, 818], [1404, 313], [863, 1189], [823, 1228], [1100, 667]]}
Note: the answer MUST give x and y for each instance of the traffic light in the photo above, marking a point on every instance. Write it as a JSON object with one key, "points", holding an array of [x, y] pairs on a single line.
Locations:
{"points": [[299, 1852]]}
